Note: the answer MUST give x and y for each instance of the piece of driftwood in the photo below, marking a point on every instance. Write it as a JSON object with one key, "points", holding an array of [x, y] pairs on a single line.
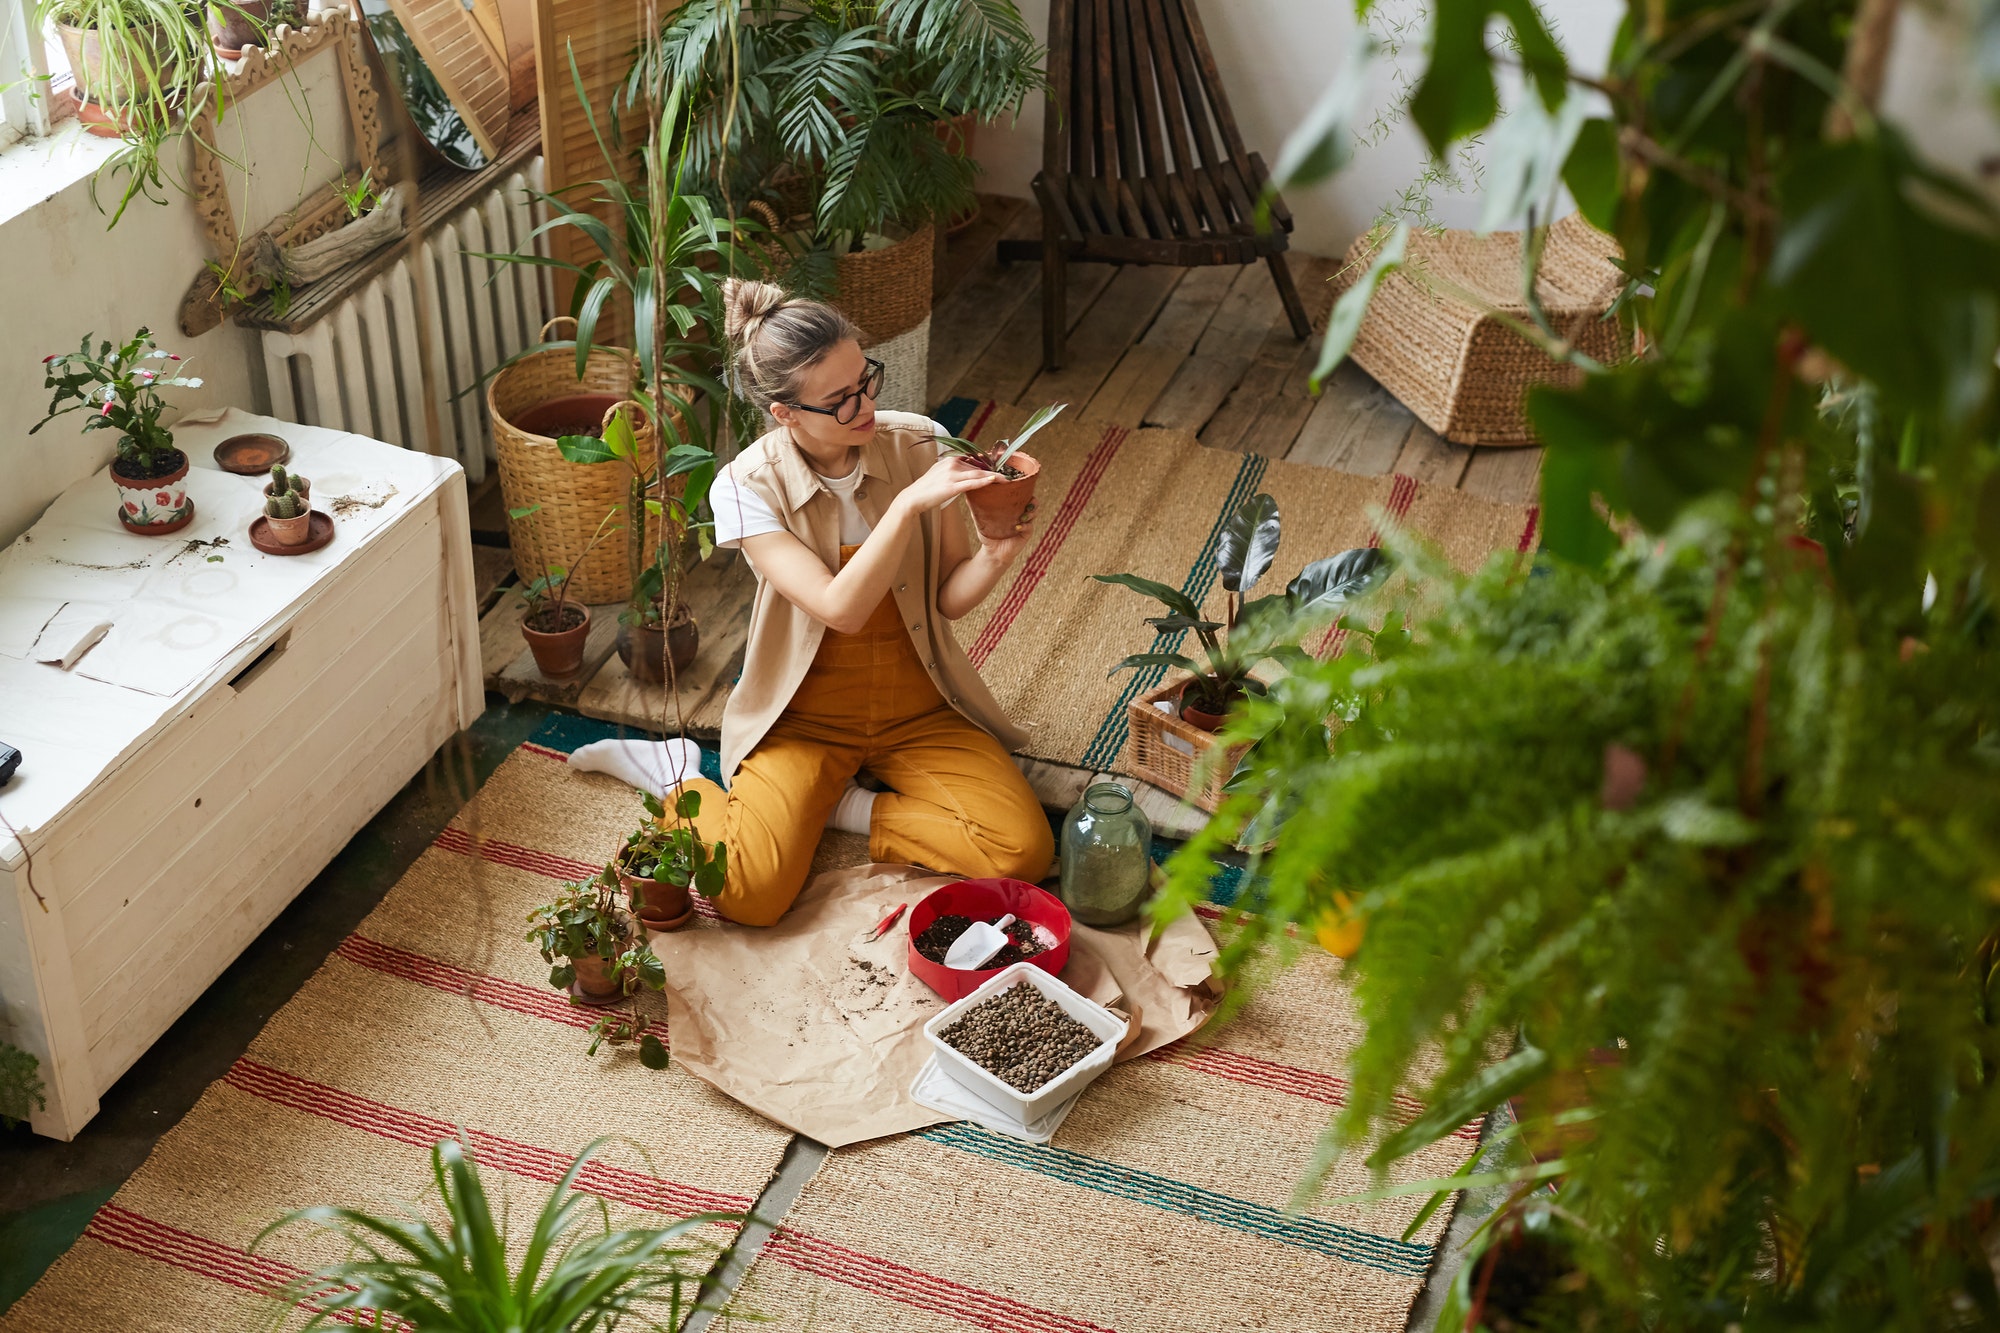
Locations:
{"points": [[1145, 164], [309, 261]]}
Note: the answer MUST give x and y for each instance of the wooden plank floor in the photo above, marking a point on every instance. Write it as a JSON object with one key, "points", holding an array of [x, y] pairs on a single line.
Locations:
{"points": [[1204, 350]]}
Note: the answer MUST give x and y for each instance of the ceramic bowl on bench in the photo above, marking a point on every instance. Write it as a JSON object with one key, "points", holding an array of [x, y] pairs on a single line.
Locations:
{"points": [[988, 900]]}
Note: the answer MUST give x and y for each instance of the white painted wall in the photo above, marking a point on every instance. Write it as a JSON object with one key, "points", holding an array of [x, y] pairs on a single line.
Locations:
{"points": [[62, 274], [1276, 57]]}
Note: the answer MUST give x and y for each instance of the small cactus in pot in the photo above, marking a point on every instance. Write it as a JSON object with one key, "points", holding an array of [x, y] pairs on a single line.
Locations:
{"points": [[287, 508]]}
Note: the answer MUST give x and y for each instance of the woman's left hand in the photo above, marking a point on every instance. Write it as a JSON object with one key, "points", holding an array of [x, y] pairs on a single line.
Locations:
{"points": [[1006, 550]]}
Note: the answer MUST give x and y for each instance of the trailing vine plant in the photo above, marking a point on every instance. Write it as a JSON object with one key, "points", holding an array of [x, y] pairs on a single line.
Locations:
{"points": [[1684, 835]]}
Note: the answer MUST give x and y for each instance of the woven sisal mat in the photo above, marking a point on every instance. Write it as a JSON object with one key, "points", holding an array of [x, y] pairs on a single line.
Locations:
{"points": [[1115, 500], [1161, 1204], [435, 1013]]}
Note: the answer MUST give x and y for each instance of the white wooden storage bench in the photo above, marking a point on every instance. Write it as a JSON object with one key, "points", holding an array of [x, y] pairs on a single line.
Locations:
{"points": [[187, 776]]}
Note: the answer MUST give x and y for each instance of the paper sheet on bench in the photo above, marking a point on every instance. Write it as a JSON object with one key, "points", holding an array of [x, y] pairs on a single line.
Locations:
{"points": [[808, 1023]]}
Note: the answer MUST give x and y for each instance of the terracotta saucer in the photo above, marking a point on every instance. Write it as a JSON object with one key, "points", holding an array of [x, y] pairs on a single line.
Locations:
{"points": [[251, 455], [668, 923], [576, 996], [321, 533]]}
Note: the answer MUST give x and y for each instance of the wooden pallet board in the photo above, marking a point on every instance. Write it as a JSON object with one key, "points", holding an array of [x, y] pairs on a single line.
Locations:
{"points": [[720, 592], [510, 668]]}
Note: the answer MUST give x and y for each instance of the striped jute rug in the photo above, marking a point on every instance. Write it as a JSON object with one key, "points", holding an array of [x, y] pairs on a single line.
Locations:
{"points": [[434, 1014], [1161, 1204], [1153, 502]]}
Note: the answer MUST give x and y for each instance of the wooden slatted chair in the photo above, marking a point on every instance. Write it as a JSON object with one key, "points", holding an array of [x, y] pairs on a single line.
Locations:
{"points": [[1144, 164]]}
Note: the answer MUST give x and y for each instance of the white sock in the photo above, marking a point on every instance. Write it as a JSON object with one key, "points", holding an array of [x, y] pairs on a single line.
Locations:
{"points": [[854, 809], [654, 766]]}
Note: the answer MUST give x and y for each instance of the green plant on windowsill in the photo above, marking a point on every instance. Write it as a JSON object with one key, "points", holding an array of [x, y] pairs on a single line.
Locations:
{"points": [[1254, 631], [835, 107], [139, 63], [573, 1272]]}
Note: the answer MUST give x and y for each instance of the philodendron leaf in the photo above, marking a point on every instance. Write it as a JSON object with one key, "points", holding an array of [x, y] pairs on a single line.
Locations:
{"points": [[1345, 322], [1176, 624], [1170, 597], [584, 449], [1249, 543], [1186, 664], [618, 436], [1338, 579]]}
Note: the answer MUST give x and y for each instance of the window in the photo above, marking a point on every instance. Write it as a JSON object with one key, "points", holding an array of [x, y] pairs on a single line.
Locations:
{"points": [[34, 74]]}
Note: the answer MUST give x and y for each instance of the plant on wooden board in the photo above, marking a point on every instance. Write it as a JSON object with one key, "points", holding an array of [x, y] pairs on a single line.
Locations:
{"points": [[1701, 813], [21, 1090], [547, 595], [1258, 630], [833, 108], [120, 384], [572, 1273]]}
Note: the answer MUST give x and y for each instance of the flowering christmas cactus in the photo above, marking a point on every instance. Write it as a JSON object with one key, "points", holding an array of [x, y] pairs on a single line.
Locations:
{"points": [[121, 385]]}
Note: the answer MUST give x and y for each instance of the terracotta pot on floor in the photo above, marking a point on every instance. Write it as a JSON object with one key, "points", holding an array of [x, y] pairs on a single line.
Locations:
{"points": [[559, 652], [154, 506], [660, 906], [595, 980], [644, 649], [997, 508]]}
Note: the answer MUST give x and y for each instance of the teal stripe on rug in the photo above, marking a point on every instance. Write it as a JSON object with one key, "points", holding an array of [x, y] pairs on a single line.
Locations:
{"points": [[1109, 742], [955, 413], [567, 732], [1405, 1258]]}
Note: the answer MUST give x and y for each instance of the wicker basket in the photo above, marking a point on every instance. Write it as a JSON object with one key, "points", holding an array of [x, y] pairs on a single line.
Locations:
{"points": [[1164, 750], [1431, 336], [574, 497], [886, 292]]}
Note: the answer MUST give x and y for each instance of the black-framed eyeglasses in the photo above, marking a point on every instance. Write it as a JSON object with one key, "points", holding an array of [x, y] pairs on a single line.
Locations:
{"points": [[845, 410]]}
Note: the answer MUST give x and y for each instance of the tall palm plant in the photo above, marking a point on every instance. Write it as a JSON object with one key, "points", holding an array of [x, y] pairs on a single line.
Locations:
{"points": [[576, 1274]]}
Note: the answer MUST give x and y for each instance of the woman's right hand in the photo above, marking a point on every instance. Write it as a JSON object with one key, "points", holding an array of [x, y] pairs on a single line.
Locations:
{"points": [[946, 480]]}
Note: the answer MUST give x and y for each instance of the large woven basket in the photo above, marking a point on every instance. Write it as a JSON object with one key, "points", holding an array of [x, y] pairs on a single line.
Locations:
{"points": [[1433, 336], [574, 497], [1163, 750]]}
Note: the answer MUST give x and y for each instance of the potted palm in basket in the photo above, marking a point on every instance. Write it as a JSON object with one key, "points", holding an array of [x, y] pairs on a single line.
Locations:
{"points": [[121, 386]]}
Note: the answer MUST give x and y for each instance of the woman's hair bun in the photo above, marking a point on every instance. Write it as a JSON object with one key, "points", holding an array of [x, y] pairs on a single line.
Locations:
{"points": [[745, 305]]}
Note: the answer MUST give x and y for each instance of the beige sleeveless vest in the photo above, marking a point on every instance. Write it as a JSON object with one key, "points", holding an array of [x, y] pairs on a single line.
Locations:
{"points": [[783, 638]]}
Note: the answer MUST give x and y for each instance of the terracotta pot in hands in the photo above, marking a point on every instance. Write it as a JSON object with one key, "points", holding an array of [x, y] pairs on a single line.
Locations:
{"points": [[997, 508]]}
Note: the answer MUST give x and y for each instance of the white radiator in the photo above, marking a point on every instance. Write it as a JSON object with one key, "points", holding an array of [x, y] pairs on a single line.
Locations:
{"points": [[359, 367]]}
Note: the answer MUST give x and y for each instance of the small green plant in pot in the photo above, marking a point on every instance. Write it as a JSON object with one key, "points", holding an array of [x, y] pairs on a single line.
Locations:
{"points": [[288, 508], [120, 387], [573, 1273], [1257, 629], [664, 858], [235, 24], [554, 626], [604, 957], [998, 509]]}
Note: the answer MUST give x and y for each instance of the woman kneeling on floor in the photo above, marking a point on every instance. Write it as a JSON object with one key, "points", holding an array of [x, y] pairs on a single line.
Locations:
{"points": [[847, 516]]}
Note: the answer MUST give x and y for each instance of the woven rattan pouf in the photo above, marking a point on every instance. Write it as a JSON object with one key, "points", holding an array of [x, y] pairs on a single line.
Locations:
{"points": [[1433, 335]]}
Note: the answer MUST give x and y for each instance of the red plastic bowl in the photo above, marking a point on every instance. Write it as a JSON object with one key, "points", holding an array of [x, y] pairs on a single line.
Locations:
{"points": [[986, 900]]}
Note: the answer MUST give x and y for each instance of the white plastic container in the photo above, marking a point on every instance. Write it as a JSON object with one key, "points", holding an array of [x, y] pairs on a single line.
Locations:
{"points": [[1029, 1107]]}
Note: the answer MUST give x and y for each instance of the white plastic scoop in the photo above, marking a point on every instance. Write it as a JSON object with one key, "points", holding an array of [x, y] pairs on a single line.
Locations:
{"points": [[977, 943]]}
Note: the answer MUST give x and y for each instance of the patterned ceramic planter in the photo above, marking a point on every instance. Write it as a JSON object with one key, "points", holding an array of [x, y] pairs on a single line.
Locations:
{"points": [[156, 505]]}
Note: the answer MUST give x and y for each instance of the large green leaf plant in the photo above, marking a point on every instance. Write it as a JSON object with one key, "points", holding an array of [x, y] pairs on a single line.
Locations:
{"points": [[1684, 835]]}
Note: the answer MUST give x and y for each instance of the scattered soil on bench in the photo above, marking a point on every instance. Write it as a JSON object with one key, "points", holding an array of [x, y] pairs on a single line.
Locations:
{"points": [[936, 939], [1021, 1036]]}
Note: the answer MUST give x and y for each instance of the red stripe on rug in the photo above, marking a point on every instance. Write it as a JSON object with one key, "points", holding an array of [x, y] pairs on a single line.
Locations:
{"points": [[1310, 1084], [545, 752], [653, 1193], [1402, 494], [528, 1001], [135, 1233], [535, 863], [913, 1286], [809, 1254], [1050, 545], [979, 420], [1527, 542]]}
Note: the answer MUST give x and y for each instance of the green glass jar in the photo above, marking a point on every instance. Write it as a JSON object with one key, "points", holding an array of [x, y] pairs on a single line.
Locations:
{"points": [[1107, 856]]}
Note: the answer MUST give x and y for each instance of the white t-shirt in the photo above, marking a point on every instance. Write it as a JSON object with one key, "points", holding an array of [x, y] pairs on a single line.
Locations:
{"points": [[741, 513]]}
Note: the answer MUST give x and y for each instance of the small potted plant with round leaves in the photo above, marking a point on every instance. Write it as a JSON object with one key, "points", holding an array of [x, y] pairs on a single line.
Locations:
{"points": [[664, 858], [604, 957], [120, 386], [288, 508]]}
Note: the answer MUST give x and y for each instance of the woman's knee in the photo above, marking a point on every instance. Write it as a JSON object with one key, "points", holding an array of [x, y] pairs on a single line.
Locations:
{"points": [[1016, 842]]}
